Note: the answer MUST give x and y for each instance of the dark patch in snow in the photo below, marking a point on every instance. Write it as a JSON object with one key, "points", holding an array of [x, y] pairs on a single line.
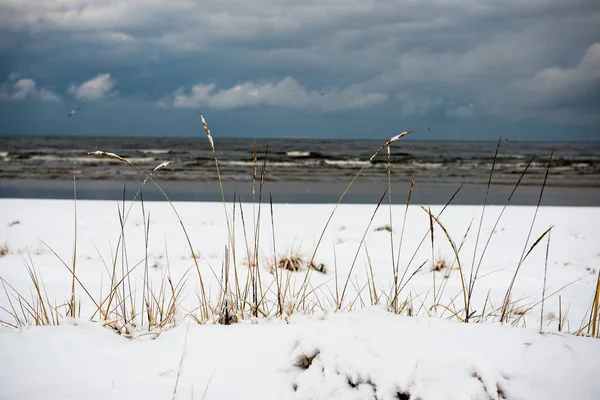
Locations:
{"points": [[355, 383], [403, 395], [352, 383], [304, 361], [318, 267], [500, 392], [386, 228], [373, 386]]}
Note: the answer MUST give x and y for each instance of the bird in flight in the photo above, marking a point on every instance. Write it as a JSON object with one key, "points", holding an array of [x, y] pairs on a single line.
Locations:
{"points": [[73, 112]]}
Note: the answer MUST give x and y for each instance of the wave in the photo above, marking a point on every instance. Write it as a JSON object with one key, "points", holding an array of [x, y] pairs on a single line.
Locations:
{"points": [[89, 159], [155, 151], [272, 163], [298, 153], [306, 155], [345, 163]]}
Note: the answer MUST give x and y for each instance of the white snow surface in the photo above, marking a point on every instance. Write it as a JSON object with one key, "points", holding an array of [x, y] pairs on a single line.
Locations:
{"points": [[367, 353]]}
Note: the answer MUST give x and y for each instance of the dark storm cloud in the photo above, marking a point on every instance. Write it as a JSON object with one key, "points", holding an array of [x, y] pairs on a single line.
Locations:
{"points": [[452, 64]]}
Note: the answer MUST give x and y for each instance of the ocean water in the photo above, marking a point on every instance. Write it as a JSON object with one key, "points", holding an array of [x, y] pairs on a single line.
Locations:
{"points": [[302, 168]]}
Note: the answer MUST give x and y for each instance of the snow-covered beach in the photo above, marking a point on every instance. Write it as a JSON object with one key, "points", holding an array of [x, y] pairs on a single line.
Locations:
{"points": [[299, 200], [360, 351]]}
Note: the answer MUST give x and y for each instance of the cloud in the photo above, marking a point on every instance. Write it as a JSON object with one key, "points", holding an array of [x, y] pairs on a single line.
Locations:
{"points": [[22, 89], [99, 87], [514, 59], [505, 76], [285, 93], [566, 84]]}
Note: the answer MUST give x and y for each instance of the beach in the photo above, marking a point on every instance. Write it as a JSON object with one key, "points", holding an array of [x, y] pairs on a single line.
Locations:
{"points": [[426, 191], [333, 337], [279, 200]]}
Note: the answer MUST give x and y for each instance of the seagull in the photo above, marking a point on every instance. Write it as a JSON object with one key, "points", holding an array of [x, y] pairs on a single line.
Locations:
{"points": [[73, 112], [428, 129]]}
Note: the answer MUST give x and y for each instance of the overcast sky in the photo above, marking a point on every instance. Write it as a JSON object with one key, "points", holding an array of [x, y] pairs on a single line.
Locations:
{"points": [[451, 69]]}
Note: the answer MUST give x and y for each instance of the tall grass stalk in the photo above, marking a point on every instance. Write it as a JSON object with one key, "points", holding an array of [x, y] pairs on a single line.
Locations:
{"points": [[181, 362], [365, 165], [394, 300], [204, 305], [489, 239], [275, 266], [359, 247], [73, 303], [388, 143], [214, 152], [523, 255], [451, 267], [391, 220], [431, 231], [400, 286], [595, 317], [456, 255], [544, 286], [487, 191]]}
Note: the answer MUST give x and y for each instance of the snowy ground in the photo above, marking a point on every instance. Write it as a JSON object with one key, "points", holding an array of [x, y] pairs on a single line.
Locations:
{"points": [[363, 354]]}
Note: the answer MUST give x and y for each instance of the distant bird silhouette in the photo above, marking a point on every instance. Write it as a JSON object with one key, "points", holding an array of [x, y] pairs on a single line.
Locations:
{"points": [[428, 129], [73, 112]]}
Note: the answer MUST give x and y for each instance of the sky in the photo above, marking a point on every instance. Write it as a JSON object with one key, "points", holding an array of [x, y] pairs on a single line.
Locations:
{"points": [[448, 69]]}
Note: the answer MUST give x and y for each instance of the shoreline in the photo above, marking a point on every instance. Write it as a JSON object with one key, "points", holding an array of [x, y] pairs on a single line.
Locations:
{"points": [[304, 192]]}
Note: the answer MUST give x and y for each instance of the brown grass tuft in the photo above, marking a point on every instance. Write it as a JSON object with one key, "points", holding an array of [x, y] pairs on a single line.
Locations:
{"points": [[4, 249], [440, 265], [290, 262], [318, 267], [386, 228]]}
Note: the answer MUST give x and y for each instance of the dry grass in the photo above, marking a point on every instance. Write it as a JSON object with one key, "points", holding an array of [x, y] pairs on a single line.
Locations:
{"points": [[4, 250], [595, 316], [440, 265], [386, 228], [35, 309], [265, 286], [291, 263], [318, 267]]}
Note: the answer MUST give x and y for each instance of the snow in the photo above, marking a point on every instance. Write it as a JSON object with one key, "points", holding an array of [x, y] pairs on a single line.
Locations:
{"points": [[105, 154], [208, 135], [389, 142], [162, 165], [359, 355], [365, 353]]}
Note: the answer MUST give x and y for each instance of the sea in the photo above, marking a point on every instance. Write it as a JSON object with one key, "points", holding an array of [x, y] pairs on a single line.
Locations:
{"points": [[301, 170]]}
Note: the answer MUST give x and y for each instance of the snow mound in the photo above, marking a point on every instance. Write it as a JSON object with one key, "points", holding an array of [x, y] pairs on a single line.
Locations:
{"points": [[369, 354]]}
